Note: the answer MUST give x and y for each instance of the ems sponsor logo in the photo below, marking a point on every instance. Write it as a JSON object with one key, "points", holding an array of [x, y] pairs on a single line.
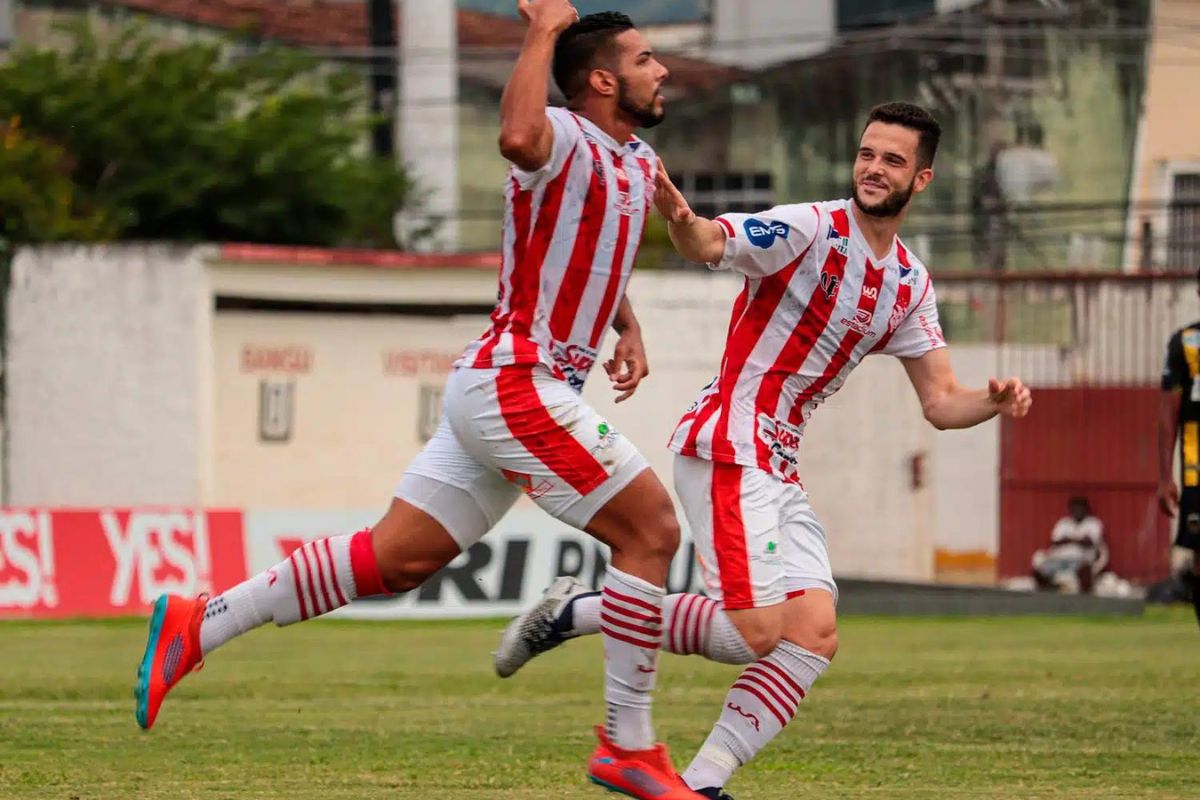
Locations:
{"points": [[781, 437], [861, 324], [763, 233], [575, 361], [840, 243]]}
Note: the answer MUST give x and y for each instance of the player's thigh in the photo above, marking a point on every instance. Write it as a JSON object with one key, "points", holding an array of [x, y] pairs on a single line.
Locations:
{"points": [[445, 502], [542, 437], [810, 619], [733, 513], [638, 520]]}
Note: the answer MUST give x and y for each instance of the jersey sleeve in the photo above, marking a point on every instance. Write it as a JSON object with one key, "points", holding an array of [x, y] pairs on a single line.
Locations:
{"points": [[920, 331], [567, 135], [1175, 369], [758, 245]]}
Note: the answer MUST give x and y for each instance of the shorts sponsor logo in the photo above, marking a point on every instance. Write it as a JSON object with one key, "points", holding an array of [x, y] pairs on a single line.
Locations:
{"points": [[607, 436]]}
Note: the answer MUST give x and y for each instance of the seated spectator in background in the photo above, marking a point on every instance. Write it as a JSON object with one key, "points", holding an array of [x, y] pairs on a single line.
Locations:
{"points": [[1077, 553]]}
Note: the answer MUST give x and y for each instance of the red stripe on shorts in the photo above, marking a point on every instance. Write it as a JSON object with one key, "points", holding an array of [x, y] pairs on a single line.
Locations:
{"points": [[729, 536], [531, 424]]}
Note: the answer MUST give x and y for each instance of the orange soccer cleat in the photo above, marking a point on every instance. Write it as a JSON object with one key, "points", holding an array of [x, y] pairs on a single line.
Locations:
{"points": [[644, 774], [172, 651]]}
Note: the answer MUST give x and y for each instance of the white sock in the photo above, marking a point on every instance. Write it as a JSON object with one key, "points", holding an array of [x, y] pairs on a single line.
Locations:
{"points": [[761, 702], [631, 624], [314, 580], [692, 624]]}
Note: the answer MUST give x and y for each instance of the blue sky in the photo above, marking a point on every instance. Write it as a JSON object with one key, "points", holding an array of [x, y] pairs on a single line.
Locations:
{"points": [[642, 11]]}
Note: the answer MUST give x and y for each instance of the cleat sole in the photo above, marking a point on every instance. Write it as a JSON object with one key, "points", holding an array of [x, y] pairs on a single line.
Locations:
{"points": [[608, 786], [141, 690]]}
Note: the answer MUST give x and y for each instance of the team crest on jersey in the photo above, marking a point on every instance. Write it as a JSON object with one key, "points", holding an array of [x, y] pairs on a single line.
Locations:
{"points": [[841, 243], [861, 324], [762, 233], [829, 284], [896, 318]]}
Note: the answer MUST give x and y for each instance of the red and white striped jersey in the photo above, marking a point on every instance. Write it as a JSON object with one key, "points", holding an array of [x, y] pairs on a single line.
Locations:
{"points": [[815, 303], [571, 231]]}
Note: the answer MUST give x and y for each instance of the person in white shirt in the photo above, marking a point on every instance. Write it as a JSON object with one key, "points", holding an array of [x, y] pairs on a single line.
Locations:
{"points": [[1077, 552]]}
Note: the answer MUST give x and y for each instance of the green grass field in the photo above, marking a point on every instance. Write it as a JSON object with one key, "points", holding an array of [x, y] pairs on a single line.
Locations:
{"points": [[912, 708]]}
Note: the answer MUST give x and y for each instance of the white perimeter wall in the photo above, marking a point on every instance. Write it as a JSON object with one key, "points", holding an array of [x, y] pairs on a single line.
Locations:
{"points": [[104, 375], [126, 389]]}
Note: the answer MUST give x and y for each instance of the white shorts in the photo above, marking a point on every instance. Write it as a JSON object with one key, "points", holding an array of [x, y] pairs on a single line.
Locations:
{"points": [[757, 540], [516, 429]]}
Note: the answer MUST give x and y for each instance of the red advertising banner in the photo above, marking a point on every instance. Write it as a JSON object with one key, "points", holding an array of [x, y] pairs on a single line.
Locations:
{"points": [[108, 562]]}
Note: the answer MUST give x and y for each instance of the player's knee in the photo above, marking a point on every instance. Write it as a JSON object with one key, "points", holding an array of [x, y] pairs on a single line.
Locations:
{"points": [[403, 574], [821, 639], [760, 629]]}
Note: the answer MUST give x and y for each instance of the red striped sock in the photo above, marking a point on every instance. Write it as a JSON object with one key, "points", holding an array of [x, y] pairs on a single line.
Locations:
{"points": [[316, 578], [760, 704], [631, 624]]}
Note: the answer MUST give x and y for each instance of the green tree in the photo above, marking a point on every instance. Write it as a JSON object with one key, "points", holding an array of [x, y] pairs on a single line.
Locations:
{"points": [[196, 141]]}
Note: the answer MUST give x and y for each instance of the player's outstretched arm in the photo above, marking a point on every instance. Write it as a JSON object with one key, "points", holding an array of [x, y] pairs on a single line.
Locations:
{"points": [[526, 138], [1168, 434], [949, 405], [695, 238]]}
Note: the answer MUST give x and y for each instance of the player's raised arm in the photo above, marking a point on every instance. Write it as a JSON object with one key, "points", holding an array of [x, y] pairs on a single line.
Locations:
{"points": [[695, 238], [526, 137]]}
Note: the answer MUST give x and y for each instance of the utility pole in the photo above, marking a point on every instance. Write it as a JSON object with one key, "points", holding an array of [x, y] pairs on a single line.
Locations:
{"points": [[6, 27], [427, 117], [993, 205], [381, 24]]}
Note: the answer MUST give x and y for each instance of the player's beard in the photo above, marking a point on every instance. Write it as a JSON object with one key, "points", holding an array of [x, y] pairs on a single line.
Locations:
{"points": [[890, 206], [645, 115]]}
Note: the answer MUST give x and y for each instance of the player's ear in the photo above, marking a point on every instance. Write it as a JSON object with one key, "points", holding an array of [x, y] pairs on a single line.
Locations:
{"points": [[603, 82], [924, 176]]}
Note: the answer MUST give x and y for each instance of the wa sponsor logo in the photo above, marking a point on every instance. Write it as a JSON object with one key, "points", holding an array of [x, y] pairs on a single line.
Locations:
{"points": [[27, 560], [763, 233]]}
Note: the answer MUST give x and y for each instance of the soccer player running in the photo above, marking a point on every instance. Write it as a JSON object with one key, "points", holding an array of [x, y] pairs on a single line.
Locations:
{"points": [[576, 201], [1180, 408], [826, 284]]}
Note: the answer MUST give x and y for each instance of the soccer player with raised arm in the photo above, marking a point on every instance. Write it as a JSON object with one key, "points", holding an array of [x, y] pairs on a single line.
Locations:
{"points": [[826, 284], [576, 201]]}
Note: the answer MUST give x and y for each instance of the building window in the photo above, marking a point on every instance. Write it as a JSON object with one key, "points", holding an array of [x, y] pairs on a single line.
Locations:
{"points": [[1183, 227], [713, 193]]}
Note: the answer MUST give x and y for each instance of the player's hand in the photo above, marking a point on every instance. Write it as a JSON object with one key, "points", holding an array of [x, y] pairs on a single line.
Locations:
{"points": [[554, 16], [669, 201], [1168, 497], [1011, 397], [628, 365]]}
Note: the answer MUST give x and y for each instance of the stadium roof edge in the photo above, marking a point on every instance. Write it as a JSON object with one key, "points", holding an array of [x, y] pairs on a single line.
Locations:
{"points": [[242, 253]]}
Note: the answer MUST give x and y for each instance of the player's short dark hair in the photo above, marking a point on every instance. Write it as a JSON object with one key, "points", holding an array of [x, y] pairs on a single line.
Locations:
{"points": [[915, 118], [581, 45]]}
